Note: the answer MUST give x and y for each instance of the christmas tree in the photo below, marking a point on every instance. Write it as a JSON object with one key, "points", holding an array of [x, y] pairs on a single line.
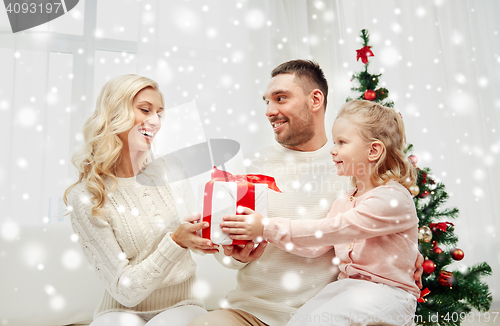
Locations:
{"points": [[368, 82], [447, 297]]}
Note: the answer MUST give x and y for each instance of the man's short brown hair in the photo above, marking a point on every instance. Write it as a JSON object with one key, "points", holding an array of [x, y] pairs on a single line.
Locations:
{"points": [[305, 69]]}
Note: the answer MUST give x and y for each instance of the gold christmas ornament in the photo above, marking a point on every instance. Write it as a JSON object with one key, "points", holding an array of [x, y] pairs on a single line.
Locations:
{"points": [[414, 190], [425, 234]]}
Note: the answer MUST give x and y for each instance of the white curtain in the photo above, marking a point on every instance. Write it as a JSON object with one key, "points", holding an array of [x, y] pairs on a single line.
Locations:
{"points": [[440, 61]]}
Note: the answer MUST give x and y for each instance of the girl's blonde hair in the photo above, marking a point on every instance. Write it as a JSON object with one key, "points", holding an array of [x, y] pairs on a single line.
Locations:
{"points": [[100, 154], [379, 123]]}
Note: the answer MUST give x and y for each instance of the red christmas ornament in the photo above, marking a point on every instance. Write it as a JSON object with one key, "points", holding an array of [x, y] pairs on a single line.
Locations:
{"points": [[364, 53], [413, 159], [457, 254], [370, 95], [440, 227], [424, 194], [446, 278], [437, 250], [428, 266], [434, 243]]}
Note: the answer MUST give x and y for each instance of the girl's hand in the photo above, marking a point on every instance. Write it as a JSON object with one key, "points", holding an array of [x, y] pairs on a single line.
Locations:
{"points": [[185, 235], [244, 227], [419, 270]]}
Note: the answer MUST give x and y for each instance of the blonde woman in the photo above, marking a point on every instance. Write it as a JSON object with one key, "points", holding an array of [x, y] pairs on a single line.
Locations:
{"points": [[131, 233]]}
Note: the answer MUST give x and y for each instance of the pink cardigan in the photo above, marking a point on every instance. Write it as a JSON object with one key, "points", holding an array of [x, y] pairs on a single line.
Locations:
{"points": [[375, 236]]}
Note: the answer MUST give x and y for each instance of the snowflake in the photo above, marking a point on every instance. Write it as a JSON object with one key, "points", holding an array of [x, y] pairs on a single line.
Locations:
{"points": [[420, 12], [202, 288], [72, 259], [22, 163], [57, 302], [291, 281], [10, 231], [255, 19], [27, 117]]}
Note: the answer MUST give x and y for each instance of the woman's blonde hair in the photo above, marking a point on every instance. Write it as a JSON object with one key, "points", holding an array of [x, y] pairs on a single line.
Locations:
{"points": [[379, 123], [97, 159]]}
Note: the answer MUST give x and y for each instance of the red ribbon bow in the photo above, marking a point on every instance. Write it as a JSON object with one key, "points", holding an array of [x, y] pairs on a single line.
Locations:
{"points": [[442, 226], [219, 175], [423, 293], [364, 53]]}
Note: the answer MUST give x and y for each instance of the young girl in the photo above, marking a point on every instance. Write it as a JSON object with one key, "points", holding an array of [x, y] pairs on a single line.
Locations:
{"points": [[373, 227]]}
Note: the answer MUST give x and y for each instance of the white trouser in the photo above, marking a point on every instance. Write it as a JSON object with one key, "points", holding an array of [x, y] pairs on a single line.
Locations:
{"points": [[357, 302], [178, 316]]}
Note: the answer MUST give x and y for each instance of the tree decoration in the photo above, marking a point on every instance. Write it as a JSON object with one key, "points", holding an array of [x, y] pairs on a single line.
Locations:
{"points": [[367, 82], [440, 227], [424, 194], [423, 293], [457, 254], [364, 53], [429, 266], [444, 293], [425, 233], [414, 190], [446, 278], [413, 159], [370, 95], [437, 250]]}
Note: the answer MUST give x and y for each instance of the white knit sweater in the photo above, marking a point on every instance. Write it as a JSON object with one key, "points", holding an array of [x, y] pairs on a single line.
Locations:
{"points": [[142, 269], [278, 283]]}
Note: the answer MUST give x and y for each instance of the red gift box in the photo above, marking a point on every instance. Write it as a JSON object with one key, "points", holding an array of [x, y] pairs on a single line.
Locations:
{"points": [[224, 193]]}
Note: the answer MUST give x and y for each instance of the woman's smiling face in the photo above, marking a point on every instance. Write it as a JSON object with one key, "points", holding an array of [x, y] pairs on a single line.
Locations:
{"points": [[148, 110]]}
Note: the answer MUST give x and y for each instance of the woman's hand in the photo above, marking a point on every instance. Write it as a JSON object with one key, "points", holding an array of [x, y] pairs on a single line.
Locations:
{"points": [[186, 237], [244, 227]]}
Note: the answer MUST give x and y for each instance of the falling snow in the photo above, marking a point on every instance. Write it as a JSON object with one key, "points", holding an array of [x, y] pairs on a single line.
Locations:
{"points": [[445, 92]]}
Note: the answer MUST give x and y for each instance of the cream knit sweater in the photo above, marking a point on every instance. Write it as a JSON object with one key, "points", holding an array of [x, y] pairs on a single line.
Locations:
{"points": [[279, 282], [142, 269]]}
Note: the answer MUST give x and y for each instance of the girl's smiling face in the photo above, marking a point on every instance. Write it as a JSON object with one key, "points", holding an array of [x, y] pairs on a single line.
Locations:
{"points": [[350, 151]]}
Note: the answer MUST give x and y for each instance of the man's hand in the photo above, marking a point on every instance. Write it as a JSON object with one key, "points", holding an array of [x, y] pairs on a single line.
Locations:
{"points": [[247, 253], [248, 226], [419, 270], [186, 237]]}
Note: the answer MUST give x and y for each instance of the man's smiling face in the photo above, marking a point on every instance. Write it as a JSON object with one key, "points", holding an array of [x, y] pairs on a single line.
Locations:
{"points": [[288, 111]]}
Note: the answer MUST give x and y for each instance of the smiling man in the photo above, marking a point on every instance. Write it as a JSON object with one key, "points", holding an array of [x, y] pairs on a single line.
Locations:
{"points": [[273, 283], [296, 105]]}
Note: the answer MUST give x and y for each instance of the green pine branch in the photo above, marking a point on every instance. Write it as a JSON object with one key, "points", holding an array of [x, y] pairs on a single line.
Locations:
{"points": [[475, 292], [365, 36], [409, 149]]}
